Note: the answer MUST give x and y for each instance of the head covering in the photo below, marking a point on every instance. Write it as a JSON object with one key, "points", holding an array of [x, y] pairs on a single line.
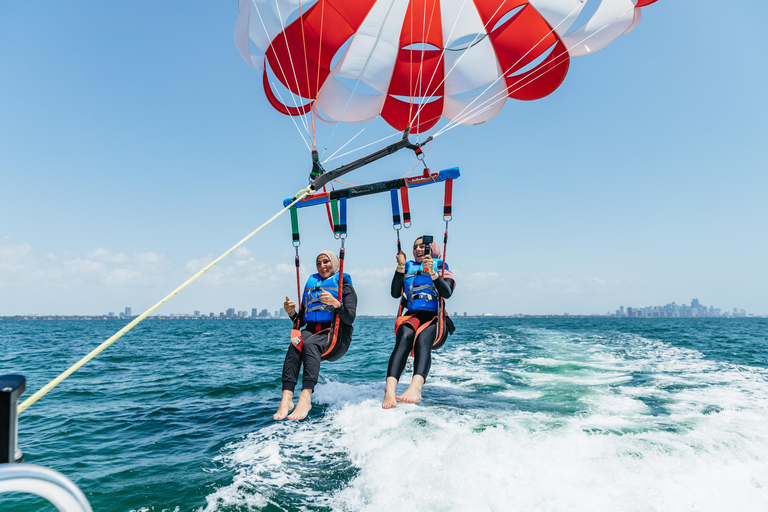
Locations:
{"points": [[435, 252], [334, 260]]}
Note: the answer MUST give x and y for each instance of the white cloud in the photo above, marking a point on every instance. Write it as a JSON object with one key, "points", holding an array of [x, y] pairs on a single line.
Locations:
{"points": [[101, 280]]}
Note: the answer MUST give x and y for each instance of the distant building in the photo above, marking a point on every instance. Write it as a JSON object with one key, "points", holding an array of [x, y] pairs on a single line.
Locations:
{"points": [[264, 313], [254, 313], [231, 313], [128, 312], [242, 314], [277, 313], [196, 313]]}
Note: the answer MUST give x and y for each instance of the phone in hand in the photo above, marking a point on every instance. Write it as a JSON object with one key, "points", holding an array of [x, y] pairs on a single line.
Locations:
{"points": [[427, 240]]}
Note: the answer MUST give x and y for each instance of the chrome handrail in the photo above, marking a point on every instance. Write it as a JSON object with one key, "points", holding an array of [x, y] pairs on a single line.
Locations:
{"points": [[44, 482]]}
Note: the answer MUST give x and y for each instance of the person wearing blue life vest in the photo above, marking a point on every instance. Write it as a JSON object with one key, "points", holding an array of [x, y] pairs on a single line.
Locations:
{"points": [[421, 285], [326, 333]]}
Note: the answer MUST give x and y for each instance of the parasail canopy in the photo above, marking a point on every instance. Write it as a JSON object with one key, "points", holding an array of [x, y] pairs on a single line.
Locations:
{"points": [[413, 62]]}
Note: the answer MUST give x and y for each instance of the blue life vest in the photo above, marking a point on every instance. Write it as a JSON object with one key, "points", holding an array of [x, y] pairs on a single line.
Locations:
{"points": [[418, 288], [314, 309]]}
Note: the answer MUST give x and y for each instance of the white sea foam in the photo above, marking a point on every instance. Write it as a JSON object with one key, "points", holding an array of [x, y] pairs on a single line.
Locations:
{"points": [[632, 424]]}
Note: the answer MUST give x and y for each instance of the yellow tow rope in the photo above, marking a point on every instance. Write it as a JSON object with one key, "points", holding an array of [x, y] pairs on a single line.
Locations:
{"points": [[45, 389]]}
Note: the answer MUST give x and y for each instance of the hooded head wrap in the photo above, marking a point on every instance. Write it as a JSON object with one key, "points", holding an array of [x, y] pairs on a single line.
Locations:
{"points": [[435, 252], [334, 260]]}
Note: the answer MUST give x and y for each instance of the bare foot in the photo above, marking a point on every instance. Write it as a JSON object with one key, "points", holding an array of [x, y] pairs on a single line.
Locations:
{"points": [[412, 395], [286, 404], [390, 402], [303, 406]]}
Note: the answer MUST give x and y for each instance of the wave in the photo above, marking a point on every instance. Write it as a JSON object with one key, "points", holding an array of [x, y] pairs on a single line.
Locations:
{"points": [[529, 419]]}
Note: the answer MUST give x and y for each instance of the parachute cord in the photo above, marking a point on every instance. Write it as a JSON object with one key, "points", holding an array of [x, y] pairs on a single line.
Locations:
{"points": [[294, 122], [45, 389], [357, 82], [469, 45], [290, 58], [363, 147], [306, 67], [280, 65], [477, 38], [484, 106], [317, 80], [349, 142]]}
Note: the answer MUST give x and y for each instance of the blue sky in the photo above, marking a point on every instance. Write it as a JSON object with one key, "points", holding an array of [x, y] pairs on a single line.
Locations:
{"points": [[136, 145]]}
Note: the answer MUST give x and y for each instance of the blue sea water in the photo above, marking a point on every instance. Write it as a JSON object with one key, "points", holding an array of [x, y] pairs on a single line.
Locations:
{"points": [[573, 414]]}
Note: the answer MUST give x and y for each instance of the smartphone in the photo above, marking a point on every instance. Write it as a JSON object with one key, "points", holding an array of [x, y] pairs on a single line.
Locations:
{"points": [[427, 240]]}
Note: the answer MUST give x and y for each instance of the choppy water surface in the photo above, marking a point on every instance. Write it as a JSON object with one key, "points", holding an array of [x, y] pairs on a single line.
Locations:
{"points": [[529, 414]]}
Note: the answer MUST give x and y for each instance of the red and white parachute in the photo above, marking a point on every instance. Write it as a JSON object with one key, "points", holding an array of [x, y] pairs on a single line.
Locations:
{"points": [[414, 61]]}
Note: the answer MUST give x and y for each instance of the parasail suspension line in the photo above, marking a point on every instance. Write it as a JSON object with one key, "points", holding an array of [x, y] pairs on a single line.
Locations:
{"points": [[296, 240], [280, 65], [357, 82], [397, 225], [482, 107], [358, 149], [334, 157], [335, 215], [406, 207], [447, 217], [45, 389], [290, 58]]}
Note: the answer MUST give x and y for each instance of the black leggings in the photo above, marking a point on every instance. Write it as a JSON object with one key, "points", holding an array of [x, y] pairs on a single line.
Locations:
{"points": [[314, 346], [422, 350]]}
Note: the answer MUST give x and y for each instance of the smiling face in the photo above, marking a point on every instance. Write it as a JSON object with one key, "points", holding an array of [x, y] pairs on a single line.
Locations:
{"points": [[324, 266], [418, 250]]}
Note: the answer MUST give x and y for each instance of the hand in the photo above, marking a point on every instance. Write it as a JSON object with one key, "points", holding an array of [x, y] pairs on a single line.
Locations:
{"points": [[327, 298], [401, 258], [289, 306], [426, 264]]}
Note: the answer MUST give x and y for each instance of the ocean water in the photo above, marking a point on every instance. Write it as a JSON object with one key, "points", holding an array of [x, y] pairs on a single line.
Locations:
{"points": [[518, 414]]}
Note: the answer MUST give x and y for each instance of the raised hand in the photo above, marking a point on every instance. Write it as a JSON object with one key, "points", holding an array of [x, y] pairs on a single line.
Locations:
{"points": [[427, 263], [327, 298], [289, 306]]}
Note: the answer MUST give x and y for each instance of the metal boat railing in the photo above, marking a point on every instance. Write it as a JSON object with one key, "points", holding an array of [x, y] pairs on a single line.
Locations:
{"points": [[46, 483], [28, 478]]}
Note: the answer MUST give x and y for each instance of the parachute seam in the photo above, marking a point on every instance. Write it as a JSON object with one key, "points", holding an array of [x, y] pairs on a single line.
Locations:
{"points": [[474, 42], [306, 65], [483, 107], [280, 65], [290, 59], [365, 66]]}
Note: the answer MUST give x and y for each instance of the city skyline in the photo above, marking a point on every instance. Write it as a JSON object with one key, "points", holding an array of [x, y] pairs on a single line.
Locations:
{"points": [[669, 310]]}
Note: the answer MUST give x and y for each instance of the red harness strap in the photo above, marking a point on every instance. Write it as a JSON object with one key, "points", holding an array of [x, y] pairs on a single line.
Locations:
{"points": [[418, 326], [337, 320]]}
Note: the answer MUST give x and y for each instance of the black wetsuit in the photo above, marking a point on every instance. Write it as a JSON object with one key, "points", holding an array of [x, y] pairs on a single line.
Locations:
{"points": [[404, 339], [315, 344]]}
